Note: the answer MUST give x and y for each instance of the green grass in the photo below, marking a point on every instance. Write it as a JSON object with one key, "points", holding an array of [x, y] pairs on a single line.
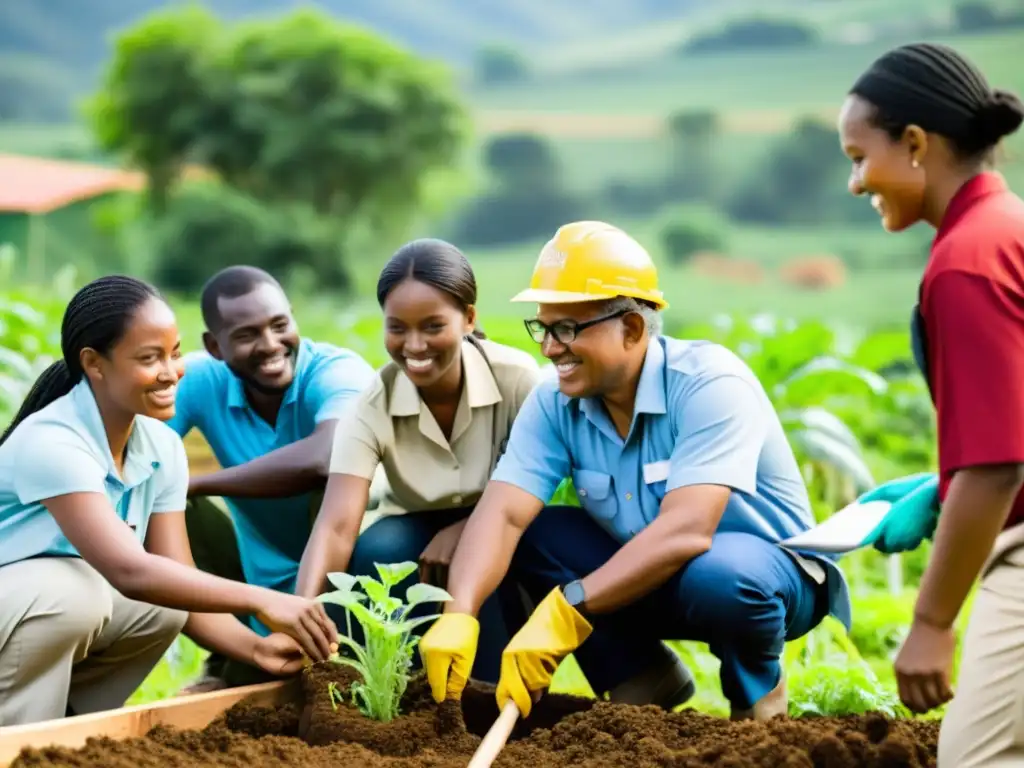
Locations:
{"points": [[46, 140], [805, 79], [831, 17]]}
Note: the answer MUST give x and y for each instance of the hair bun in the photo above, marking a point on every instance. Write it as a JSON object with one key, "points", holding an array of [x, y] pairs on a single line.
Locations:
{"points": [[1001, 116]]}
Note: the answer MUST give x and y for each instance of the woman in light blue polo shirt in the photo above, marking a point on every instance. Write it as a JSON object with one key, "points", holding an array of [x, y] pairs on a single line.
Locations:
{"points": [[96, 574]]}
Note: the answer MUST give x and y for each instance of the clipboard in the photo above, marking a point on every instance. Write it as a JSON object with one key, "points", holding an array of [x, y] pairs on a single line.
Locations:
{"points": [[846, 530]]}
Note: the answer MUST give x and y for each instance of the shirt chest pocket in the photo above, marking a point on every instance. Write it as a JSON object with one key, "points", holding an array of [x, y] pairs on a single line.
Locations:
{"points": [[596, 492], [121, 500], [655, 476]]}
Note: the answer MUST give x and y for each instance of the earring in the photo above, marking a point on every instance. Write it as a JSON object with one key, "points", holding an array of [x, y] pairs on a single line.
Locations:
{"points": [[914, 163]]}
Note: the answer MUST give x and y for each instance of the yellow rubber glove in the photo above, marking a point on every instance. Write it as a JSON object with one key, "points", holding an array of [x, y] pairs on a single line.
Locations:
{"points": [[448, 649], [528, 663]]}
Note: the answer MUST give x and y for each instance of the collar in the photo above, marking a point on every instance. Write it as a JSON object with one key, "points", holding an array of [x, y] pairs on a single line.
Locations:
{"points": [[141, 454], [650, 391], [972, 191], [479, 390], [236, 389]]}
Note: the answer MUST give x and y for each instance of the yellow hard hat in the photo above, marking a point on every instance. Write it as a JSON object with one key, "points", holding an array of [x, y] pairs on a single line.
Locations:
{"points": [[592, 261]]}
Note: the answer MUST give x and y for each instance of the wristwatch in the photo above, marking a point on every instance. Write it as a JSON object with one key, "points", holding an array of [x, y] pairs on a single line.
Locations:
{"points": [[575, 596]]}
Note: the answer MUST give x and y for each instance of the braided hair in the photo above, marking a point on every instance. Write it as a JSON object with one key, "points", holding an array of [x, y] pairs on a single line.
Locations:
{"points": [[96, 317], [437, 263], [937, 88]]}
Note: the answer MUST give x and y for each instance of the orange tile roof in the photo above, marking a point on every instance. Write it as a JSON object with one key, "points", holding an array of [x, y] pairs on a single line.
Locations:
{"points": [[40, 185]]}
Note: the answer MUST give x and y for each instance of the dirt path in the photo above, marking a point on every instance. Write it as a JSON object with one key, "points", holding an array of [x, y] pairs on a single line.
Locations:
{"points": [[568, 125]]}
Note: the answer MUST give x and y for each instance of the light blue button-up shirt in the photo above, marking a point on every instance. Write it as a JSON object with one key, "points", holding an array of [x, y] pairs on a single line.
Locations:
{"points": [[272, 533], [63, 449], [700, 417]]}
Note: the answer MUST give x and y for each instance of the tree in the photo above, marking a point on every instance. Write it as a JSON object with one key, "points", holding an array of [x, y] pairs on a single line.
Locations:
{"points": [[298, 110], [802, 181], [693, 172], [154, 96], [308, 109], [522, 160]]}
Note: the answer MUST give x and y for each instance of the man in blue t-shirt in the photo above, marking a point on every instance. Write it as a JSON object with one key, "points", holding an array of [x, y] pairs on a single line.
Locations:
{"points": [[266, 400]]}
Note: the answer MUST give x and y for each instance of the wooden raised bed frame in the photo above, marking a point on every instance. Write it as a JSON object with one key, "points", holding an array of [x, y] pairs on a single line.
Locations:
{"points": [[184, 712]]}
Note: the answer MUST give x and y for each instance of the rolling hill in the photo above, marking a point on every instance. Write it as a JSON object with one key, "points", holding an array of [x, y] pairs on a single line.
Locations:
{"points": [[51, 51]]}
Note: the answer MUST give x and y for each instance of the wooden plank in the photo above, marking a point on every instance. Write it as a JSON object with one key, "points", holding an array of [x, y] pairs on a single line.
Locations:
{"points": [[184, 712]]}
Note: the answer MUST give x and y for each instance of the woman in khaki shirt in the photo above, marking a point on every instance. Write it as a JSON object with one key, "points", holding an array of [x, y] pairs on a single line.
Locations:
{"points": [[437, 418]]}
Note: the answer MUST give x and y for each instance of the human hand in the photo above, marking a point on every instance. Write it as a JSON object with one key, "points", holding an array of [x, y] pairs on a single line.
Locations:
{"points": [[913, 516], [278, 654], [894, 490], [303, 620], [448, 649], [435, 559], [924, 667], [554, 630]]}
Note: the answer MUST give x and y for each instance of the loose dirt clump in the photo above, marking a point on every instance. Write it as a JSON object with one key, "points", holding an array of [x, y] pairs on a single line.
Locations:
{"points": [[562, 731]]}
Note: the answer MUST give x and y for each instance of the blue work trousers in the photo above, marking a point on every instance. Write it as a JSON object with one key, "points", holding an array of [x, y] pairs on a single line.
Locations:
{"points": [[398, 538], [745, 598]]}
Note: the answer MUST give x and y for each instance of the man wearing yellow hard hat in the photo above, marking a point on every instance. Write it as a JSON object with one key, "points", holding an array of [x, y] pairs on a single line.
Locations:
{"points": [[687, 484]]}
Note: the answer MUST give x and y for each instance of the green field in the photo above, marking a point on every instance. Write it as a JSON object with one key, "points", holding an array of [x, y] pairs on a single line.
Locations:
{"points": [[802, 79]]}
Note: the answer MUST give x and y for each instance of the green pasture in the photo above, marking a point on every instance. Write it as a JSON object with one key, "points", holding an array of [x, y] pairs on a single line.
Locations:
{"points": [[835, 21], [809, 79]]}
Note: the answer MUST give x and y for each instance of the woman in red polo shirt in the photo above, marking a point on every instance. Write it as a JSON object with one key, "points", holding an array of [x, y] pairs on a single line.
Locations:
{"points": [[920, 126]]}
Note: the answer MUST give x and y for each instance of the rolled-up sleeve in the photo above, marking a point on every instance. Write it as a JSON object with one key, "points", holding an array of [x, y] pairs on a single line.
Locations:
{"points": [[537, 458], [722, 430]]}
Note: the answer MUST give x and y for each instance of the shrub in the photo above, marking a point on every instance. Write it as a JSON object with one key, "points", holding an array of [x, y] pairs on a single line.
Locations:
{"points": [[688, 230]]}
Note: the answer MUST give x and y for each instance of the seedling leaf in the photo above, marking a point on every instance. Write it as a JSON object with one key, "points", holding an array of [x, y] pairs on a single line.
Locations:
{"points": [[393, 574], [378, 592], [425, 593], [343, 582], [344, 599]]}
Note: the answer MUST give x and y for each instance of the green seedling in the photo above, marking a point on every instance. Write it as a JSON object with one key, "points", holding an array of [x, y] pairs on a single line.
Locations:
{"points": [[385, 658], [827, 676]]}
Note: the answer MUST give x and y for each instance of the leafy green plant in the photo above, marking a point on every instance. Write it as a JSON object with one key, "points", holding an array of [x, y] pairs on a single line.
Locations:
{"points": [[827, 676], [385, 658]]}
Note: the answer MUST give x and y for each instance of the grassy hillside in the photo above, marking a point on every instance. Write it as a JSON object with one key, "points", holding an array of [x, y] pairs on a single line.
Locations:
{"points": [[52, 50], [750, 84]]}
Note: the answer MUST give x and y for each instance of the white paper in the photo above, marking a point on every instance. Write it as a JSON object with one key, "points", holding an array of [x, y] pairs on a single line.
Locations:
{"points": [[844, 531]]}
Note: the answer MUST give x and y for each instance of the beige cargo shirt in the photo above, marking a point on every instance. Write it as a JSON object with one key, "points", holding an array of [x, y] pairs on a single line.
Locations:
{"points": [[389, 425]]}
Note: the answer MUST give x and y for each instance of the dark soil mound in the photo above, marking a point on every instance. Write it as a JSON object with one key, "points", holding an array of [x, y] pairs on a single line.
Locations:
{"points": [[562, 731]]}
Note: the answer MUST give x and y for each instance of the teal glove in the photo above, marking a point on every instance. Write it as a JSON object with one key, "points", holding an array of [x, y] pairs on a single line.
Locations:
{"points": [[913, 515]]}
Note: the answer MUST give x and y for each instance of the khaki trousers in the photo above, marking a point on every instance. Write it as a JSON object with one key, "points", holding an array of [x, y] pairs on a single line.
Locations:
{"points": [[984, 723], [70, 640]]}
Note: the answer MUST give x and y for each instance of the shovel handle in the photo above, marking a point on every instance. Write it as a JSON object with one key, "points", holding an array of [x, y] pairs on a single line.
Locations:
{"points": [[496, 737]]}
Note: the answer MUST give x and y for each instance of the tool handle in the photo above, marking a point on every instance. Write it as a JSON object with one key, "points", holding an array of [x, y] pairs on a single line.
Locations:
{"points": [[496, 737]]}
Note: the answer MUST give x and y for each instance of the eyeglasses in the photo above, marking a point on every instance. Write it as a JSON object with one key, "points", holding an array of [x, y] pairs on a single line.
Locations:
{"points": [[565, 331]]}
